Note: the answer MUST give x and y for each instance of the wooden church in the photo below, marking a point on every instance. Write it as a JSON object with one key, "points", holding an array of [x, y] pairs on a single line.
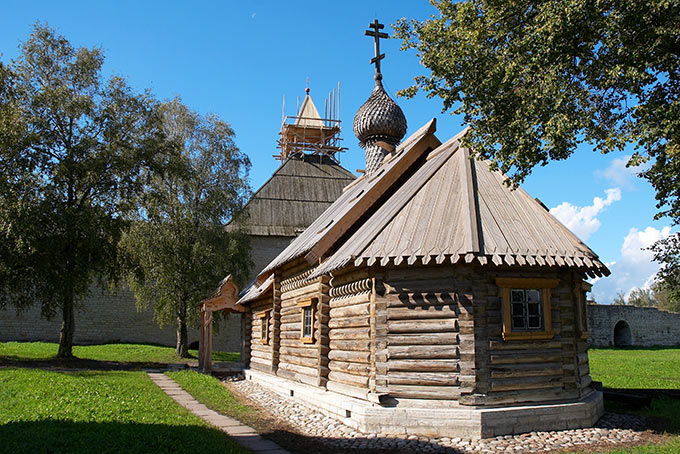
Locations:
{"points": [[429, 298]]}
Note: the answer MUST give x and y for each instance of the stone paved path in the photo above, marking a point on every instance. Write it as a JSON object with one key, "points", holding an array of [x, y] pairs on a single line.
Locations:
{"points": [[611, 430], [242, 434]]}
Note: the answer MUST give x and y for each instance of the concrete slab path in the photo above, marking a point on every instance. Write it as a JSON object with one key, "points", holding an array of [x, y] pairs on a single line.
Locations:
{"points": [[242, 434]]}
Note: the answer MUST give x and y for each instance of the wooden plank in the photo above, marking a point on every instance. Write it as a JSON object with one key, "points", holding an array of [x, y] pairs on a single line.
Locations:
{"points": [[423, 339], [349, 333], [350, 379], [352, 345], [423, 378], [518, 384], [422, 326], [424, 392], [416, 365], [423, 351], [422, 312], [349, 368], [353, 356], [350, 300], [349, 322], [351, 311]]}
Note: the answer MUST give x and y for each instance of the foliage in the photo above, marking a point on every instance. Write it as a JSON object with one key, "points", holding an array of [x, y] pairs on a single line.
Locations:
{"points": [[211, 392], [120, 353], [661, 296], [667, 252], [103, 412], [636, 367], [178, 247], [536, 79], [72, 146]]}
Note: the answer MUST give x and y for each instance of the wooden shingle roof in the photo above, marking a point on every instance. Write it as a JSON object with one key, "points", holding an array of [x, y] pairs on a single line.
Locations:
{"points": [[295, 195], [455, 208], [356, 199]]}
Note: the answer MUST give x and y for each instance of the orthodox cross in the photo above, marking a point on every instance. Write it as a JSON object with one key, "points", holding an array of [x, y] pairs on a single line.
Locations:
{"points": [[376, 34]]}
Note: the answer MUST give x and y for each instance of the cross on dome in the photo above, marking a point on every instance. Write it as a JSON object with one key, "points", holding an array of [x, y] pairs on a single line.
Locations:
{"points": [[377, 34]]}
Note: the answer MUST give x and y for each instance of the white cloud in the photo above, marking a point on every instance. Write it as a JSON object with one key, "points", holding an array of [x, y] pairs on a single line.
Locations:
{"points": [[617, 173], [583, 220], [634, 269]]}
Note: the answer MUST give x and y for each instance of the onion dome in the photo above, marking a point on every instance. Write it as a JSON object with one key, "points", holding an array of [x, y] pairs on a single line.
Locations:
{"points": [[378, 119]]}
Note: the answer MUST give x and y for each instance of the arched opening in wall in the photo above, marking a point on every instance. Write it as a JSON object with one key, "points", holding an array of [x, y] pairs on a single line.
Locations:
{"points": [[623, 337]]}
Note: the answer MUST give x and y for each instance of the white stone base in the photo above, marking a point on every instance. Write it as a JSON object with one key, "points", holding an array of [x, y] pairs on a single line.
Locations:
{"points": [[464, 422]]}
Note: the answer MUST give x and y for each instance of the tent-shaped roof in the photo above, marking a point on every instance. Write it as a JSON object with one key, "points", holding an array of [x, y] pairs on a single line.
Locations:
{"points": [[455, 208], [295, 195], [308, 115], [450, 208]]}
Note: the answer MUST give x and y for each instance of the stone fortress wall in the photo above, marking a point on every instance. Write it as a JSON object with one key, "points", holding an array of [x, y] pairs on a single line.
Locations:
{"points": [[623, 326], [107, 317]]}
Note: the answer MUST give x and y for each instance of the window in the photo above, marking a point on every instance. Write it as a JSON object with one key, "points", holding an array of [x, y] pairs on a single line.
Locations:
{"points": [[264, 326], [526, 307], [307, 325], [581, 313]]}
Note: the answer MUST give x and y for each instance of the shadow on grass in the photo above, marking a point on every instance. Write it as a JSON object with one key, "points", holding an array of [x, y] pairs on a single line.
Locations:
{"points": [[56, 437], [636, 348], [77, 363]]}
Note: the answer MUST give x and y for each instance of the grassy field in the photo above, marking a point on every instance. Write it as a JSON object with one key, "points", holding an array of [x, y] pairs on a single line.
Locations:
{"points": [[97, 412], [636, 367], [121, 353]]}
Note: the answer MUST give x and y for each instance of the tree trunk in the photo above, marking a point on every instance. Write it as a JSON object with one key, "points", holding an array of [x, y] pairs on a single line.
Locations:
{"points": [[182, 349], [67, 328]]}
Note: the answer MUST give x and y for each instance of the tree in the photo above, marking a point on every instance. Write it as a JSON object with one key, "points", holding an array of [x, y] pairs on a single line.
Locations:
{"points": [[667, 252], [535, 79], [72, 146], [178, 246]]}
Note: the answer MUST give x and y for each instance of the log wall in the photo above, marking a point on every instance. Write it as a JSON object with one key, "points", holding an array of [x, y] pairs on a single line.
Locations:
{"points": [[428, 336], [300, 361], [527, 371], [350, 338], [261, 354]]}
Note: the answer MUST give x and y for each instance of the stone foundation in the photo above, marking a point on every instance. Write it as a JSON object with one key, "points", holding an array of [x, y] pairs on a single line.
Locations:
{"points": [[460, 421]]}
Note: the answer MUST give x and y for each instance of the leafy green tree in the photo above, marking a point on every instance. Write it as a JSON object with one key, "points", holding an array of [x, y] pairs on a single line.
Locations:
{"points": [[535, 79], [72, 146], [178, 246], [667, 287]]}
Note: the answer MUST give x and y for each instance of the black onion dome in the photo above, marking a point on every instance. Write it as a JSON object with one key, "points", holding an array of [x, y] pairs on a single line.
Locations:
{"points": [[379, 118]]}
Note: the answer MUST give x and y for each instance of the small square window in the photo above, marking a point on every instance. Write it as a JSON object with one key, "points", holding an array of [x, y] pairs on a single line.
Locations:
{"points": [[526, 307]]}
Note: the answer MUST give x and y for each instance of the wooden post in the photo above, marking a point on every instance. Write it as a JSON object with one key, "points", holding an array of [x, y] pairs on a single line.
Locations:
{"points": [[205, 341]]}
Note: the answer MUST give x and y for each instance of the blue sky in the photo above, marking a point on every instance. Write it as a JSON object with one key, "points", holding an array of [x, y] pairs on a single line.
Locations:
{"points": [[239, 59]]}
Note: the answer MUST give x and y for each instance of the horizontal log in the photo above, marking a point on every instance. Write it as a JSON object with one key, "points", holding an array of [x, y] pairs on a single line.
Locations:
{"points": [[424, 392], [264, 367], [363, 309], [353, 356], [516, 397], [290, 335], [300, 360], [284, 365], [349, 379], [343, 301], [524, 359], [348, 390], [349, 368], [582, 358], [292, 318], [356, 274], [422, 326], [309, 290], [291, 326], [422, 339], [350, 333], [422, 365], [526, 370], [524, 383], [352, 345], [261, 354], [533, 345], [258, 346], [311, 352], [423, 351], [349, 322], [583, 369], [423, 378], [422, 312]]}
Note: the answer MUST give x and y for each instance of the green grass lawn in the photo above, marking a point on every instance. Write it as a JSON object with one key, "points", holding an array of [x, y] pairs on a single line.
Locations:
{"points": [[123, 353], [636, 367], [98, 412]]}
